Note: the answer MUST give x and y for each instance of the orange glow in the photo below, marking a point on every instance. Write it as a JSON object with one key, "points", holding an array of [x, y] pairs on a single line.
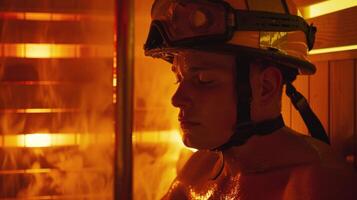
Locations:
{"points": [[326, 7], [40, 110], [114, 82], [33, 82], [39, 140], [114, 98], [38, 51], [41, 16], [333, 49], [45, 50], [68, 139], [170, 136], [27, 171]]}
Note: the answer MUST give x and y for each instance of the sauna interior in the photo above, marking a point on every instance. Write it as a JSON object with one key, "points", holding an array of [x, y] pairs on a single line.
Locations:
{"points": [[59, 94]]}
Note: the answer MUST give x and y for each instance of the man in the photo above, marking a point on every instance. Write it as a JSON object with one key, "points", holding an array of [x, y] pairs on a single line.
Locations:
{"points": [[231, 59]]}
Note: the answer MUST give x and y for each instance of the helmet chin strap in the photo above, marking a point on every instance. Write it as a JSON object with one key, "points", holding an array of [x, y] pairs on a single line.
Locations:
{"points": [[300, 103], [246, 128]]}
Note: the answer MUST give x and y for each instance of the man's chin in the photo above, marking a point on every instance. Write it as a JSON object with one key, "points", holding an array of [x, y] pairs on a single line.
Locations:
{"points": [[195, 143]]}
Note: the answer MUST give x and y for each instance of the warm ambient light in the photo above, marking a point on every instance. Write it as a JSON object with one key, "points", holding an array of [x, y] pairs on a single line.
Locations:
{"points": [[42, 16], [38, 110], [333, 49], [37, 140], [70, 139], [45, 50], [326, 7], [38, 51], [170, 136], [32, 82]]}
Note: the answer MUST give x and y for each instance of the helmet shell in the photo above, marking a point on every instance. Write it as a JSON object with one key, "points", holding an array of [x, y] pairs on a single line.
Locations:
{"points": [[287, 48]]}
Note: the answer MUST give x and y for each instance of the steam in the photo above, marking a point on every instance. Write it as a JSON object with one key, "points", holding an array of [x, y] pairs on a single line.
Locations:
{"points": [[76, 96]]}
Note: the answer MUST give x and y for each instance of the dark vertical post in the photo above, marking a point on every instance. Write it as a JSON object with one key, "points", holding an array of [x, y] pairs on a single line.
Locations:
{"points": [[124, 94]]}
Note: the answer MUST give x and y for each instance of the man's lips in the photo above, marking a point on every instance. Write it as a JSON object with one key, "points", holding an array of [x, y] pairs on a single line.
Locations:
{"points": [[186, 124]]}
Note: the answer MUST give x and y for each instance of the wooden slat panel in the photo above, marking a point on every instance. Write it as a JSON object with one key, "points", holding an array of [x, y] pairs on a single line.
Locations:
{"points": [[68, 6], [76, 70], [300, 3], [336, 29], [77, 122], [56, 96], [341, 106], [302, 85], [319, 94], [355, 115], [65, 32]]}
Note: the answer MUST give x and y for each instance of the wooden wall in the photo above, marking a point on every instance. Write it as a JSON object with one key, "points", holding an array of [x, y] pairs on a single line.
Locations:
{"points": [[332, 91], [332, 94]]}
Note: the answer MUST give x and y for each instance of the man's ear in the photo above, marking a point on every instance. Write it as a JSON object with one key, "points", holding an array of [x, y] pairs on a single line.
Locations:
{"points": [[271, 81]]}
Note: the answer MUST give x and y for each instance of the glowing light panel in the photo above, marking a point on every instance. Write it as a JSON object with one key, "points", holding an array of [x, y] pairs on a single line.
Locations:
{"points": [[333, 49], [326, 7], [45, 50], [38, 51], [43, 16], [45, 139], [39, 110], [37, 140], [40, 140]]}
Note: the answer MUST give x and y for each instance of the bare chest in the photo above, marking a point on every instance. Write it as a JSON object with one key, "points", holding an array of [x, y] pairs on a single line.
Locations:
{"points": [[238, 187]]}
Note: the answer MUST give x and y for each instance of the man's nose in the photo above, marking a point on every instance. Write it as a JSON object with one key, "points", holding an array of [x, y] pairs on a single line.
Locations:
{"points": [[181, 98]]}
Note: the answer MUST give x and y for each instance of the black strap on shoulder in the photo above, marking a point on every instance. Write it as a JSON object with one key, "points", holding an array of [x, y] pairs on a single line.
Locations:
{"points": [[245, 127], [244, 90], [312, 122]]}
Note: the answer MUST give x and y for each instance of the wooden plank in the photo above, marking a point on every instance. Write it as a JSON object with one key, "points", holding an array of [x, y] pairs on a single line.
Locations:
{"points": [[78, 70], [67, 122], [319, 94], [95, 96], [355, 115], [58, 6], [68, 32], [302, 85], [300, 3], [336, 29], [341, 106]]}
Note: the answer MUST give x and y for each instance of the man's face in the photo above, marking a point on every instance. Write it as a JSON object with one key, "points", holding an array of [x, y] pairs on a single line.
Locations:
{"points": [[206, 97]]}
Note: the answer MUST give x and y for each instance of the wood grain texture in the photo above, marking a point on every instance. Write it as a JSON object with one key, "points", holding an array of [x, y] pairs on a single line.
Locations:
{"points": [[336, 29], [297, 123], [342, 106], [300, 3], [355, 115], [319, 94]]}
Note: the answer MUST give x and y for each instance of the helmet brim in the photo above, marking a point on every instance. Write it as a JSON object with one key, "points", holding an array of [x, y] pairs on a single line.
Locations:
{"points": [[304, 67]]}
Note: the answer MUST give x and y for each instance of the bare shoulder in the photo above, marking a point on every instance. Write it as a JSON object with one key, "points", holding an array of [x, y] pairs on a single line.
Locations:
{"points": [[319, 181], [328, 177], [199, 168], [176, 191]]}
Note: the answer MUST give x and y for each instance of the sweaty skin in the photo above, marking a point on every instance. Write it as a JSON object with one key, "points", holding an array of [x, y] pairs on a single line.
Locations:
{"points": [[282, 165]]}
